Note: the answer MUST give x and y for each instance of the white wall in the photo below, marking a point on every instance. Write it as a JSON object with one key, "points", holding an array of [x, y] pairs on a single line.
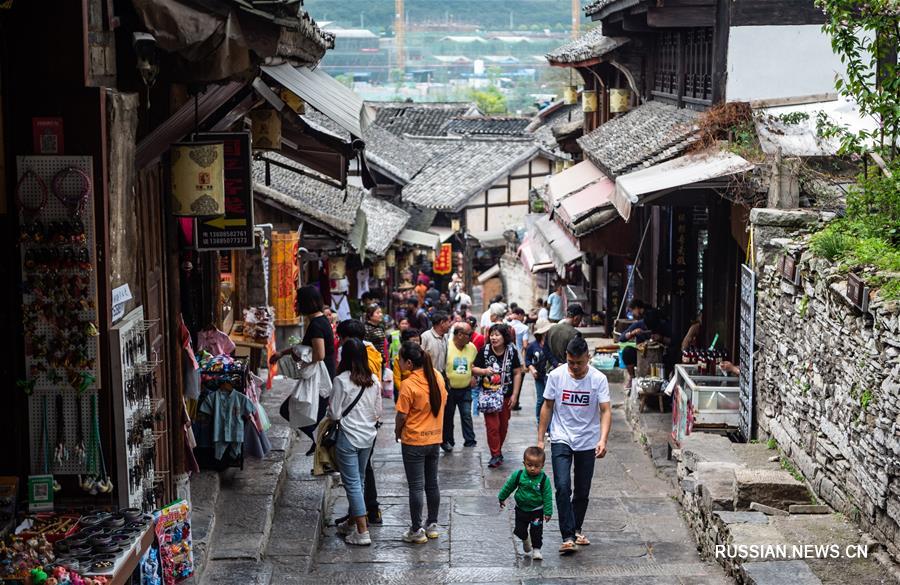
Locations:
{"points": [[766, 62]]}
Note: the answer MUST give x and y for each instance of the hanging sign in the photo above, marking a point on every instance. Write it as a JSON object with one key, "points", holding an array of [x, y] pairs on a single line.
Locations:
{"points": [[198, 183], [234, 229], [443, 264]]}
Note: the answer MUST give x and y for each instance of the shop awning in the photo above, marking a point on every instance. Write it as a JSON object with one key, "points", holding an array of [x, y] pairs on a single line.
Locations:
{"points": [[444, 233], [489, 274], [421, 239], [671, 175], [573, 179], [578, 206], [493, 239], [534, 258], [326, 94], [556, 243]]}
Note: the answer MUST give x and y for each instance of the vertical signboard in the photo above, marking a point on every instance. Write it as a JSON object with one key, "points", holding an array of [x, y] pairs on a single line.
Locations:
{"points": [[747, 339], [234, 230]]}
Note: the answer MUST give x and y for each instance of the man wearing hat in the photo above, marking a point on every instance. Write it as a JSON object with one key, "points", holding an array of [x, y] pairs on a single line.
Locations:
{"points": [[559, 335], [539, 362]]}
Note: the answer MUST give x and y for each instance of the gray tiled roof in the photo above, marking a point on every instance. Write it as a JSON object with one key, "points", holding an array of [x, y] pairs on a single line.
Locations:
{"points": [[384, 221], [390, 153], [393, 154], [451, 179], [420, 218], [487, 125], [419, 119], [649, 134], [596, 6], [321, 202], [590, 45], [553, 117]]}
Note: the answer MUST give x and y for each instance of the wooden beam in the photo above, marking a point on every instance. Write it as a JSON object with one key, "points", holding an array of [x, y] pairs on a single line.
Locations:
{"points": [[687, 16], [612, 29], [636, 23], [684, 3], [775, 12], [720, 50]]}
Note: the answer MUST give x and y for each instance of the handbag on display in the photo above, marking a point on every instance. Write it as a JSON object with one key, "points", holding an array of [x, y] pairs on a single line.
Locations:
{"points": [[328, 438]]}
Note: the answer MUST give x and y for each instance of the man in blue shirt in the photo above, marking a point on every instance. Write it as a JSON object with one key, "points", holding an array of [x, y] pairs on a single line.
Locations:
{"points": [[555, 302]]}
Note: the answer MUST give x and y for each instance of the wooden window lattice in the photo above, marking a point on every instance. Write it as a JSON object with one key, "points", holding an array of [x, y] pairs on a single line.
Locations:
{"points": [[698, 63], [694, 46]]}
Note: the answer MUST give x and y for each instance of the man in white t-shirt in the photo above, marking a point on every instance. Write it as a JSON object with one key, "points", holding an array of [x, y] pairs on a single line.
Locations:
{"points": [[576, 398]]}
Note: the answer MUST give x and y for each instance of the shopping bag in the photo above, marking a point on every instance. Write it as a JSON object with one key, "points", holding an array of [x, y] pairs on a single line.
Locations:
{"points": [[264, 422], [304, 402], [387, 385]]}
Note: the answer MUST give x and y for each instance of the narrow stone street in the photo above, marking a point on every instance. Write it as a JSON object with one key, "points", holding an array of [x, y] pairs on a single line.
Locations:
{"points": [[636, 531]]}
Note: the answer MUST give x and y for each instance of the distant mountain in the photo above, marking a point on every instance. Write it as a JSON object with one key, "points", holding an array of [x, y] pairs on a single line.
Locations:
{"points": [[378, 15]]}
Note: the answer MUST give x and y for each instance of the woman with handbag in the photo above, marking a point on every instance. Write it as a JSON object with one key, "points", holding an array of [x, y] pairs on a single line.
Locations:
{"points": [[355, 407], [419, 428], [501, 379], [320, 337]]}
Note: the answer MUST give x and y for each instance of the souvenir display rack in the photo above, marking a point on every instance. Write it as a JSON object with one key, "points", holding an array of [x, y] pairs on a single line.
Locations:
{"points": [[135, 406], [59, 302]]}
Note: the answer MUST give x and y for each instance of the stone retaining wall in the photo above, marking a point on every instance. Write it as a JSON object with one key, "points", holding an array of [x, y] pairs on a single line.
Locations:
{"points": [[828, 382]]}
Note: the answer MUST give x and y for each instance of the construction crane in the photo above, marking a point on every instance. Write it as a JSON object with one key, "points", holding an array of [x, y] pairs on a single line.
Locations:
{"points": [[400, 34], [576, 17]]}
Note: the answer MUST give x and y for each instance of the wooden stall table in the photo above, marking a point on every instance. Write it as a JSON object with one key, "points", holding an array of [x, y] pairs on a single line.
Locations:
{"points": [[255, 346]]}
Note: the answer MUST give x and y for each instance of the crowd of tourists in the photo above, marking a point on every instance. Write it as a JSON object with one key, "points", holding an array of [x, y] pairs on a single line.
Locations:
{"points": [[444, 361]]}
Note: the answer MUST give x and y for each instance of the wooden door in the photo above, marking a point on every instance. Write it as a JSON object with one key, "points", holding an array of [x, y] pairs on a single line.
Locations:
{"points": [[149, 190]]}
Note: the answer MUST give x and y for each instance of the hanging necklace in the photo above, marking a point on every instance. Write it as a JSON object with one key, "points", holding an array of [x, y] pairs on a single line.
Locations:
{"points": [[74, 203], [31, 211], [62, 452]]}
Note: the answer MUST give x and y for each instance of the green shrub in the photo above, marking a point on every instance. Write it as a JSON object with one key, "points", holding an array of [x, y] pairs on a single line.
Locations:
{"points": [[830, 243]]}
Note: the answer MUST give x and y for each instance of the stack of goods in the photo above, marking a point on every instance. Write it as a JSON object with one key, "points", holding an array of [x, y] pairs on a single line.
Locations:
{"points": [[19, 556], [173, 533], [102, 539], [259, 322]]}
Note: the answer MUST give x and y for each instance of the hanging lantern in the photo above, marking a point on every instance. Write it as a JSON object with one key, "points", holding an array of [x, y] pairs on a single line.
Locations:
{"points": [[570, 95], [337, 267], [410, 259], [293, 101], [198, 179], [589, 101], [266, 129], [619, 100], [390, 258], [379, 270], [455, 224], [431, 255], [558, 166], [568, 164]]}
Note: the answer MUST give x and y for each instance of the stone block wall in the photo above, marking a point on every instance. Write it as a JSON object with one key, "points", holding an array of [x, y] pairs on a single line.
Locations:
{"points": [[828, 385]]}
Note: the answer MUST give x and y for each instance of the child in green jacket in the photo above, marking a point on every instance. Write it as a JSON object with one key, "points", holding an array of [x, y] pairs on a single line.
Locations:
{"points": [[534, 501]]}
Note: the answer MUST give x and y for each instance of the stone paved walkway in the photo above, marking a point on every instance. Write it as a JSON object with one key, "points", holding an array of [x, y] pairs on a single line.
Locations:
{"points": [[633, 523]]}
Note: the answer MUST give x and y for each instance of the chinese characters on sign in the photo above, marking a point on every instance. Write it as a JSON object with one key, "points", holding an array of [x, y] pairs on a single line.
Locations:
{"points": [[234, 230], [681, 231]]}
